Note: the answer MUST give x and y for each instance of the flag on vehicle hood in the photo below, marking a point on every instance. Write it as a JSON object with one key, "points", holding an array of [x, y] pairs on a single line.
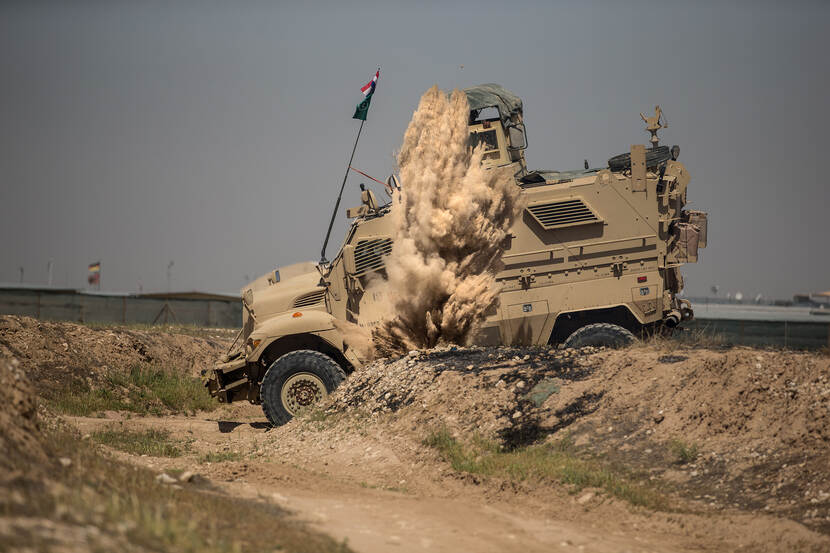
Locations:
{"points": [[363, 107]]}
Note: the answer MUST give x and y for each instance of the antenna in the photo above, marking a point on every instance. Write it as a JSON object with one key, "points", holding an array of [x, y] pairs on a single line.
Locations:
{"points": [[169, 274], [323, 259]]}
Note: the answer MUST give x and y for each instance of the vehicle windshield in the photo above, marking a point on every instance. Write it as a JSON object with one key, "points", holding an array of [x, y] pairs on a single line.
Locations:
{"points": [[488, 138]]}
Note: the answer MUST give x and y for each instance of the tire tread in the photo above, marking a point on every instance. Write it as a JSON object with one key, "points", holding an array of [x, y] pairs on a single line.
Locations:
{"points": [[332, 375], [609, 331]]}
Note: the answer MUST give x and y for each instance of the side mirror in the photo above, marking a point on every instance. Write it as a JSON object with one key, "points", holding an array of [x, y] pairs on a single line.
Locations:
{"points": [[348, 258], [392, 183], [517, 136]]}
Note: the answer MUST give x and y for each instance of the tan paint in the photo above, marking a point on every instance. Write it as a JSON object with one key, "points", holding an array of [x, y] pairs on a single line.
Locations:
{"points": [[556, 263]]}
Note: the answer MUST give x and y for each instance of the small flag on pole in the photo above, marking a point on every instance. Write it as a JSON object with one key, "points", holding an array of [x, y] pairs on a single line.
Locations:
{"points": [[94, 276], [363, 107]]}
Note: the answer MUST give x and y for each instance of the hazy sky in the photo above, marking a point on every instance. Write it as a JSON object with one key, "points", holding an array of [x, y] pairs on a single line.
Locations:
{"points": [[216, 134]]}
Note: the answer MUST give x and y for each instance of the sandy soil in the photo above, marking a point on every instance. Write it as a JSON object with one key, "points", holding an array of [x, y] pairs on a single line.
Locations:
{"points": [[358, 470]]}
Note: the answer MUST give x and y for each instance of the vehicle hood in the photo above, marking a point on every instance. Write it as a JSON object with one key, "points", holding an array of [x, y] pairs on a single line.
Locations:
{"points": [[285, 288]]}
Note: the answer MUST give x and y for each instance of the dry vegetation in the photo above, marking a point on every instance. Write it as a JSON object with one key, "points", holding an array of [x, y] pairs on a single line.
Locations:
{"points": [[557, 462], [59, 492], [90, 501]]}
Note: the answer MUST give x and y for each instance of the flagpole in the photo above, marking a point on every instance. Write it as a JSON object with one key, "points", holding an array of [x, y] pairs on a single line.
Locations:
{"points": [[339, 196]]}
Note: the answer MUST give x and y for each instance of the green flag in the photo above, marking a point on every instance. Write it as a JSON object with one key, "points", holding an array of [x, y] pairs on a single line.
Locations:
{"points": [[363, 107]]}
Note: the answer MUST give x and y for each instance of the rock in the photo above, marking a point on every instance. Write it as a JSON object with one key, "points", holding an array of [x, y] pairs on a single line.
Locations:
{"points": [[658, 418], [517, 414], [520, 384], [65, 462], [165, 478], [186, 476], [585, 498], [470, 367]]}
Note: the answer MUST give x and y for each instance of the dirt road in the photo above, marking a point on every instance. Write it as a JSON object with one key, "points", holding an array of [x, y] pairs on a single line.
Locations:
{"points": [[351, 496], [378, 496]]}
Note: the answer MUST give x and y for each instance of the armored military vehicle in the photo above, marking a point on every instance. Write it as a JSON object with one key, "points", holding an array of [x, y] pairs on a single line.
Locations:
{"points": [[593, 260]]}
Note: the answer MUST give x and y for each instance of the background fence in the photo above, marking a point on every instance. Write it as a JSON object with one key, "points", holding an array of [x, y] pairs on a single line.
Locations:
{"points": [[789, 334], [748, 325], [70, 305]]}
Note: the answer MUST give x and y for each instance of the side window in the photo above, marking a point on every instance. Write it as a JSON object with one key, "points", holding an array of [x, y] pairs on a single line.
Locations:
{"points": [[488, 138]]}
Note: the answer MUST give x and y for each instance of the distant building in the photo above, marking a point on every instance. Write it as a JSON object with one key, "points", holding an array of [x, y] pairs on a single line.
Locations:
{"points": [[68, 304], [815, 299]]}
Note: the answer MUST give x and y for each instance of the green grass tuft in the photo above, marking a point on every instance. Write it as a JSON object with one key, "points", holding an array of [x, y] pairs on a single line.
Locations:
{"points": [[156, 443], [542, 462], [220, 457], [683, 452], [144, 389]]}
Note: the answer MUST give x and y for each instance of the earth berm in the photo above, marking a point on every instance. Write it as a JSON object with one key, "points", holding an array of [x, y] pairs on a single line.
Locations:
{"points": [[656, 447]]}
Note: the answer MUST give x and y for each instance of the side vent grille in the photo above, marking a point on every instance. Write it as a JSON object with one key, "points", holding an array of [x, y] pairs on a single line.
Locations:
{"points": [[368, 254], [310, 299], [563, 213]]}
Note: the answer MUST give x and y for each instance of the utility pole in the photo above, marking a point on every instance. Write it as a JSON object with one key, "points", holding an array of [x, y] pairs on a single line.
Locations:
{"points": [[166, 310], [21, 273]]}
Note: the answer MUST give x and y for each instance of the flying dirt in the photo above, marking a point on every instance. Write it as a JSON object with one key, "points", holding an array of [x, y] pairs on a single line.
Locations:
{"points": [[450, 221]]}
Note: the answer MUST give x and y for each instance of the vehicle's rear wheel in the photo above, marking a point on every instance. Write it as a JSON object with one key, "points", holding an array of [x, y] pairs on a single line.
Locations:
{"points": [[600, 334], [296, 381]]}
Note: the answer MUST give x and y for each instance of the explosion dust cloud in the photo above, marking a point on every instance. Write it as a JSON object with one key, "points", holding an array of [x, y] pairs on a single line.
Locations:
{"points": [[450, 220]]}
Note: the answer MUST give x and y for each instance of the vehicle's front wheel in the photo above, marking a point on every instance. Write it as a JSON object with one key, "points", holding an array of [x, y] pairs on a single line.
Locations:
{"points": [[296, 381], [600, 334]]}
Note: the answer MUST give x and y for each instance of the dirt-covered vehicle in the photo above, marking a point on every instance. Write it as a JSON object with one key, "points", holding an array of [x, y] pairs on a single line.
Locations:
{"points": [[593, 260]]}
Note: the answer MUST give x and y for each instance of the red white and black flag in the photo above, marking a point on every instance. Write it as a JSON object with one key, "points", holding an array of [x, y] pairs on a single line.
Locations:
{"points": [[94, 275], [368, 89]]}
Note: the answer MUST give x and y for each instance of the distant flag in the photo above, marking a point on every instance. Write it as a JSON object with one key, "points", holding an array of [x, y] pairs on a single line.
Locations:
{"points": [[363, 107], [94, 276]]}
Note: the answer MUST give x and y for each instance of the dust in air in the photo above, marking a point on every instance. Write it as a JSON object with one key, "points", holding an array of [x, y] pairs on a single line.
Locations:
{"points": [[450, 223]]}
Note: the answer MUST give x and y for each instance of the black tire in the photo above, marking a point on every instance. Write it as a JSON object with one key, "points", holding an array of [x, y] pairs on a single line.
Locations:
{"points": [[654, 157], [600, 334], [302, 364]]}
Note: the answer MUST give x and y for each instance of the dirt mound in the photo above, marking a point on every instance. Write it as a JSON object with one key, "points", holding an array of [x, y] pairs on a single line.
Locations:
{"points": [[738, 428], [18, 418], [57, 352], [493, 392]]}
